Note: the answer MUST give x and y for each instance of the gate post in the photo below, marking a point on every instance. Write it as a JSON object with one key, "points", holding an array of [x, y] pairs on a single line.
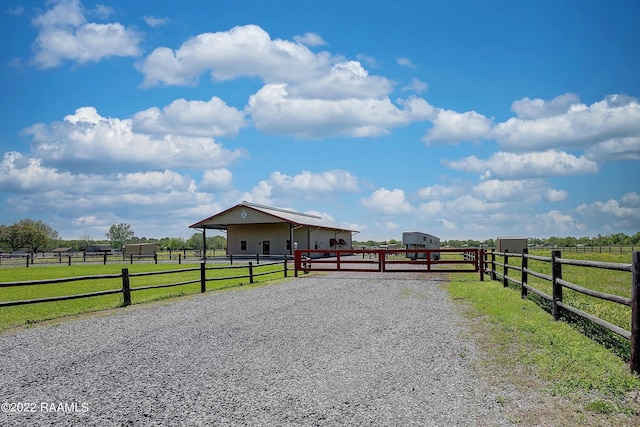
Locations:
{"points": [[480, 263]]}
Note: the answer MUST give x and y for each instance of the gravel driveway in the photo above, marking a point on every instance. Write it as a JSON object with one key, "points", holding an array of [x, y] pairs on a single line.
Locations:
{"points": [[338, 349]]}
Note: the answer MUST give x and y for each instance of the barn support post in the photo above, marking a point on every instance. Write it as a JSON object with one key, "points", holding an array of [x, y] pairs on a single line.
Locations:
{"points": [[524, 277], [505, 281], [556, 273], [204, 245], [126, 288], [635, 313]]}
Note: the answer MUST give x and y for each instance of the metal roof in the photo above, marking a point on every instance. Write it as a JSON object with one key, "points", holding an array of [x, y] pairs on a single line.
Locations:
{"points": [[286, 215]]}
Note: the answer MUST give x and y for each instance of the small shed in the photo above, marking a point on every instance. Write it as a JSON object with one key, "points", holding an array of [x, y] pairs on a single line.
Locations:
{"points": [[142, 249], [511, 244]]}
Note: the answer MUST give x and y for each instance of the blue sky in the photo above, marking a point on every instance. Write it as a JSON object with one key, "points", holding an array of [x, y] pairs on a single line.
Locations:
{"points": [[462, 119]]}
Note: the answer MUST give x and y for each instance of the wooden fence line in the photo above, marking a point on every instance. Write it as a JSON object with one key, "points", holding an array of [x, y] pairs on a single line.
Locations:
{"points": [[559, 283], [126, 288], [29, 260]]}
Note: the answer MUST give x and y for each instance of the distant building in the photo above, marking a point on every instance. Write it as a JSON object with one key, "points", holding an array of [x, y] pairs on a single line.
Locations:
{"points": [[257, 229], [100, 248], [141, 249]]}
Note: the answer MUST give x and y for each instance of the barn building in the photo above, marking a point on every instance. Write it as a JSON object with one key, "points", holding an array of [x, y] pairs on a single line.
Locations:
{"points": [[257, 229]]}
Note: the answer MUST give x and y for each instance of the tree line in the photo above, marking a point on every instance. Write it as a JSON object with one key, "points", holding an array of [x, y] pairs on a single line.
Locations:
{"points": [[32, 236], [616, 239]]}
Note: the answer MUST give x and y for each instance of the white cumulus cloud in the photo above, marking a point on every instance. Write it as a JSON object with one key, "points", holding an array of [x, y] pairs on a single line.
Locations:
{"points": [[88, 140], [388, 202], [211, 118], [526, 165], [65, 34], [566, 123]]}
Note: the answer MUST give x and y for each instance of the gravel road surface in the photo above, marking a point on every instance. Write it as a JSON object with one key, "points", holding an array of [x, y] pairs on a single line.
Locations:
{"points": [[355, 349]]}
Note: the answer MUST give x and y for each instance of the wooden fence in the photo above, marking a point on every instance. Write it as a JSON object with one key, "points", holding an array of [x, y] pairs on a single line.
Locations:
{"points": [[558, 283], [126, 289], [43, 259]]}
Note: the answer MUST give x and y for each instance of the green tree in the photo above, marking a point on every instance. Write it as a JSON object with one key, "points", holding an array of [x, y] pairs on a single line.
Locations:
{"points": [[37, 235], [119, 235], [11, 237]]}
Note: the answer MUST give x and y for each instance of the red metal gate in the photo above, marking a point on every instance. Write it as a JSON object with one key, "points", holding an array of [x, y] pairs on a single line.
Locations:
{"points": [[391, 260]]}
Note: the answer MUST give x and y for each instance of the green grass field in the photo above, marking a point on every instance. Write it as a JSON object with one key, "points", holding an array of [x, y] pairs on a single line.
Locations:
{"points": [[31, 313], [533, 352], [608, 281]]}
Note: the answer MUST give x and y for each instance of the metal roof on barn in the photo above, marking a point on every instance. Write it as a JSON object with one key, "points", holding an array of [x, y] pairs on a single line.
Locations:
{"points": [[271, 214]]}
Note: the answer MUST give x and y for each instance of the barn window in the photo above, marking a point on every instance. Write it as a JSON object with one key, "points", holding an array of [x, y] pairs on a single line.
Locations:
{"points": [[333, 242], [243, 245]]}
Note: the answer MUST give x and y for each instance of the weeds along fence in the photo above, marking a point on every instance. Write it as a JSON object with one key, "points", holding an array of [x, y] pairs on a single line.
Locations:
{"points": [[546, 277], [249, 271]]}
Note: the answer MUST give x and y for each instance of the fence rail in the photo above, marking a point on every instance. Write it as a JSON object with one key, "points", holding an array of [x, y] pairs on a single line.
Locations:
{"points": [[126, 288], [558, 283], [44, 259]]}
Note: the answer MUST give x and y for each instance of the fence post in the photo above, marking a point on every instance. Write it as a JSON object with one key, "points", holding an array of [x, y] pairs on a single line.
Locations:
{"points": [[131, 258], [250, 272], [505, 281], [523, 277], [69, 259], [126, 288], [479, 262], [203, 278], [105, 259], [635, 312], [231, 259], [493, 264], [27, 261], [257, 258], [179, 258], [556, 273], [381, 261], [285, 266], [155, 258]]}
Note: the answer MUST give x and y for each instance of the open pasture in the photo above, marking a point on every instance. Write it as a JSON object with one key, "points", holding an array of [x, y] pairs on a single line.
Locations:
{"points": [[217, 278]]}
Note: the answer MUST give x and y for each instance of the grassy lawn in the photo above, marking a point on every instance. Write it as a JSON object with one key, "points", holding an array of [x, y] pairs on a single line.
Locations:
{"points": [[31, 313], [577, 381]]}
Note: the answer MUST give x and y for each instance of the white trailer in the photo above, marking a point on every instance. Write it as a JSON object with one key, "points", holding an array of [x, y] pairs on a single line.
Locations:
{"points": [[417, 240]]}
